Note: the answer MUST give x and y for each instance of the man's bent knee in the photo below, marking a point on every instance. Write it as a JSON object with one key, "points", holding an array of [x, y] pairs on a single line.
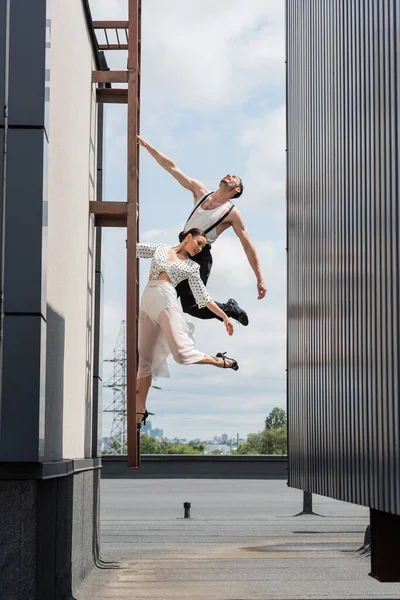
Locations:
{"points": [[190, 309]]}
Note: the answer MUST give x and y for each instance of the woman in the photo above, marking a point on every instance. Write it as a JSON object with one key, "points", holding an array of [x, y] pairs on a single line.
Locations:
{"points": [[162, 326]]}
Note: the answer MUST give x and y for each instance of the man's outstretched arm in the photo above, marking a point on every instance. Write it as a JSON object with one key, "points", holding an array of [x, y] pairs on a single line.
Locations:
{"points": [[196, 187], [239, 228]]}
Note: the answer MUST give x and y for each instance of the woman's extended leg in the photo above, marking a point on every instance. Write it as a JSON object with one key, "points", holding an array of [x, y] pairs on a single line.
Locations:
{"points": [[216, 361], [181, 344]]}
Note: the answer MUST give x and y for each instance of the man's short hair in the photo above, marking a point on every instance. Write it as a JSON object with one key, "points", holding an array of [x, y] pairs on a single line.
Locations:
{"points": [[240, 192]]}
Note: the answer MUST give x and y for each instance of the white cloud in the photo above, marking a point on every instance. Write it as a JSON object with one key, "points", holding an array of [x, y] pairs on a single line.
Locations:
{"points": [[165, 236], [151, 235], [109, 10], [264, 139], [219, 50], [112, 313], [231, 265]]}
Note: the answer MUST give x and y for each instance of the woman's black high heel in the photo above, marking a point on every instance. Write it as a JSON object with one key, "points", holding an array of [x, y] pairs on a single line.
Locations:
{"points": [[143, 421], [234, 364]]}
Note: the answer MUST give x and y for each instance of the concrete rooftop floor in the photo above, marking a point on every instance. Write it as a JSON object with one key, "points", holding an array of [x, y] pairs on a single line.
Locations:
{"points": [[225, 551]]}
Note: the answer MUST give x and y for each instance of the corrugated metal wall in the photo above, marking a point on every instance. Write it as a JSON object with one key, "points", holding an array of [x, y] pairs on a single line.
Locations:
{"points": [[343, 95]]}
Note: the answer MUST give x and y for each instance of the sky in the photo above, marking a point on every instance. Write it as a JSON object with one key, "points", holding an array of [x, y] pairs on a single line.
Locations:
{"points": [[213, 99]]}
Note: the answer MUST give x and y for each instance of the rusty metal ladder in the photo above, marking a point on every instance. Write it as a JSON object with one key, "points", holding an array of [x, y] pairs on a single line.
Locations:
{"points": [[124, 214]]}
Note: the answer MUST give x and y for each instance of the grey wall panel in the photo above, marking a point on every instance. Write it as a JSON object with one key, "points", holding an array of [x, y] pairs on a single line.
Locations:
{"points": [[55, 382], [22, 418], [1, 169], [3, 4], [343, 168], [28, 64], [25, 224]]}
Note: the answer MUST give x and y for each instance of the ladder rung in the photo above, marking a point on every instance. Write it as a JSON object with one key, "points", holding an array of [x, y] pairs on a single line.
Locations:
{"points": [[112, 96], [109, 214], [113, 47], [110, 24], [110, 76]]}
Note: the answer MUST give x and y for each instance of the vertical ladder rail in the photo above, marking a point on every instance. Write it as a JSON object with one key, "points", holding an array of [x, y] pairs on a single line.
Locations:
{"points": [[132, 229]]}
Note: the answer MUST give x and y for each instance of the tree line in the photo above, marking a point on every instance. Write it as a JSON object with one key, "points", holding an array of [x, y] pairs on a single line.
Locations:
{"points": [[271, 440]]}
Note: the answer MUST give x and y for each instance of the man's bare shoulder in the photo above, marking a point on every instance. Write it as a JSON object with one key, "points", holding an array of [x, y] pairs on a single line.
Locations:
{"points": [[199, 190], [235, 216]]}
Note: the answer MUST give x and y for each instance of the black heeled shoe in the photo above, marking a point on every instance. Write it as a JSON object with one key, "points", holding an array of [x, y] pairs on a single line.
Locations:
{"points": [[234, 364], [143, 421]]}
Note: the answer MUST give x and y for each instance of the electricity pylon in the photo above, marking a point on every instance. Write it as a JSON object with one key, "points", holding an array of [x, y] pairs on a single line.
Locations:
{"points": [[118, 384]]}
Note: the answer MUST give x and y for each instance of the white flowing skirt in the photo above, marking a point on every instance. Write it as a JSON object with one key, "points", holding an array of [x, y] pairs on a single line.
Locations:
{"points": [[163, 330]]}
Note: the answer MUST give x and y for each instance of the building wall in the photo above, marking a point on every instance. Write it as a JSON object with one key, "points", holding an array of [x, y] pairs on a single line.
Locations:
{"points": [[71, 239], [343, 100], [49, 473], [24, 91]]}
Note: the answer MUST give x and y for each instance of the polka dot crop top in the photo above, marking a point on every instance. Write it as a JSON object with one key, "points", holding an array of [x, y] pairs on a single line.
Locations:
{"points": [[176, 271]]}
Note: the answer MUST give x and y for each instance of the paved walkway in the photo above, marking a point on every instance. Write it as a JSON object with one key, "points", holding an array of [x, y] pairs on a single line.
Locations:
{"points": [[242, 542]]}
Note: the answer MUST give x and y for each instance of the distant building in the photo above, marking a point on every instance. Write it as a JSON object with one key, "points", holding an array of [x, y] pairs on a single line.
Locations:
{"points": [[105, 442], [223, 448], [147, 428], [224, 438], [157, 433]]}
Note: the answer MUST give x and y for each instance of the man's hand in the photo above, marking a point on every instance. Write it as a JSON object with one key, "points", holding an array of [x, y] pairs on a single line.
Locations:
{"points": [[141, 141], [229, 326], [262, 290]]}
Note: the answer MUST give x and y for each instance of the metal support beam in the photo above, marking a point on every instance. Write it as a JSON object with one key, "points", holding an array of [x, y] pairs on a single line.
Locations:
{"points": [[307, 505], [132, 227], [111, 95], [109, 77]]}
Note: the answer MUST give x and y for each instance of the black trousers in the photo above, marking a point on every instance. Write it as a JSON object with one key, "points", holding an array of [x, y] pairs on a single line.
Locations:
{"points": [[204, 259]]}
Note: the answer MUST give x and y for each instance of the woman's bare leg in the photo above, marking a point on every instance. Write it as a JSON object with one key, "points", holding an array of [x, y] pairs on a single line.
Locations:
{"points": [[149, 333], [142, 389]]}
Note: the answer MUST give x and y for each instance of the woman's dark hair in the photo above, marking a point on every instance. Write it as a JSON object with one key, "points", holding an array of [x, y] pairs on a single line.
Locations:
{"points": [[195, 231], [240, 192]]}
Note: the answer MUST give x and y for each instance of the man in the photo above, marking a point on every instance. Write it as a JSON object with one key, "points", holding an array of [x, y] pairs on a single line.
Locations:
{"points": [[214, 213]]}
